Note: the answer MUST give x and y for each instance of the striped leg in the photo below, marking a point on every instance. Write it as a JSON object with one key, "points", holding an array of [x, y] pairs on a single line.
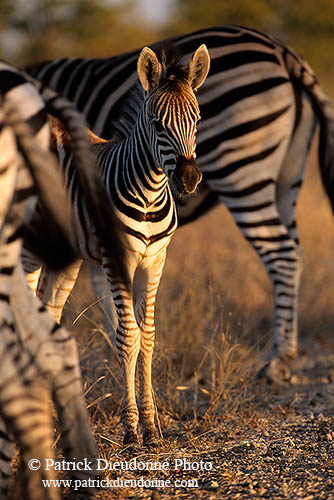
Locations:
{"points": [[282, 258], [52, 353], [6, 444], [6, 454], [25, 408], [56, 288], [288, 187], [284, 267], [33, 279], [146, 286], [56, 357], [28, 416], [128, 345]]}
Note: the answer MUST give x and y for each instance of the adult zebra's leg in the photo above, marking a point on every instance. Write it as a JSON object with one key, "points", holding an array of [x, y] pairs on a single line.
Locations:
{"points": [[288, 186], [263, 228], [55, 355], [7, 339], [285, 267], [282, 258], [6, 454], [25, 410], [265, 213], [146, 285]]}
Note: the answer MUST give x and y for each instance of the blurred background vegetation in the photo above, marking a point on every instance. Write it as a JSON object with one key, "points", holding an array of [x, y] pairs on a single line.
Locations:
{"points": [[32, 30]]}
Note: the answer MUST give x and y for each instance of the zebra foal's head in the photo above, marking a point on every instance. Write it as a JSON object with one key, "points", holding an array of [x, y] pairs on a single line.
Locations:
{"points": [[171, 112]]}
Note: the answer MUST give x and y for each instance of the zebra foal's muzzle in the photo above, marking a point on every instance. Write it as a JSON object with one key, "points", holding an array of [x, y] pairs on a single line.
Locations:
{"points": [[186, 176]]}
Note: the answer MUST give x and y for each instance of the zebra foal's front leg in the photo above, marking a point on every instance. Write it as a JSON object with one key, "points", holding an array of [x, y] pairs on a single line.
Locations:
{"points": [[147, 281], [128, 345]]}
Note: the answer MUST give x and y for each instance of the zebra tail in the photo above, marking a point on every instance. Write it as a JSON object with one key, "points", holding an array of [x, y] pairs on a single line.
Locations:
{"points": [[108, 228], [51, 238], [301, 74]]}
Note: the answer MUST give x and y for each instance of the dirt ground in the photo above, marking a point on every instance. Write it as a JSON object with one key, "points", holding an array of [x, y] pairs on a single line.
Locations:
{"points": [[280, 446]]}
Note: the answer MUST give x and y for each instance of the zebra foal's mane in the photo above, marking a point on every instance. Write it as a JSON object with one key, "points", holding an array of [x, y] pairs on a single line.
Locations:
{"points": [[60, 136], [172, 72]]}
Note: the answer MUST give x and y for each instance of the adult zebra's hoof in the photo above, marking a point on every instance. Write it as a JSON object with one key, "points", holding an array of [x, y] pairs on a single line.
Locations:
{"points": [[151, 438], [275, 371]]}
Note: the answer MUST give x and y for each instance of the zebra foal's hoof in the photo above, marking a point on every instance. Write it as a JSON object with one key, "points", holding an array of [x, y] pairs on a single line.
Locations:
{"points": [[151, 438], [131, 441], [275, 371]]}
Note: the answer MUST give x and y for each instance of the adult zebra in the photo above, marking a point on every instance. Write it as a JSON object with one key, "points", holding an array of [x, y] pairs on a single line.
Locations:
{"points": [[259, 108], [137, 172], [33, 346], [23, 398]]}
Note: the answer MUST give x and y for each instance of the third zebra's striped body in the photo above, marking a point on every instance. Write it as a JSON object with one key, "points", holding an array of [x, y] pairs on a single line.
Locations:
{"points": [[259, 108], [160, 150]]}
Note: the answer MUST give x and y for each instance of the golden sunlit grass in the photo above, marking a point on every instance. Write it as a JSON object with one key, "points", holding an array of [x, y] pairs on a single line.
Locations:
{"points": [[214, 318]]}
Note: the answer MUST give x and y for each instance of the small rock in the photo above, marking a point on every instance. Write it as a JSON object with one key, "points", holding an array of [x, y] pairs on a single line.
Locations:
{"points": [[262, 490]]}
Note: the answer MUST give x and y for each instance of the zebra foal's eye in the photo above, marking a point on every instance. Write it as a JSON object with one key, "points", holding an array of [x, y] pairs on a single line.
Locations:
{"points": [[158, 126]]}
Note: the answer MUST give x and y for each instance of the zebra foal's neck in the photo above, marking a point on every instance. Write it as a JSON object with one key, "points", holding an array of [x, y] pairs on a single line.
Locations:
{"points": [[130, 168]]}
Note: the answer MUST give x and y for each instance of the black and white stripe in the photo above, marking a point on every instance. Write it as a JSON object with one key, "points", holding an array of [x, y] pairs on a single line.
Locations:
{"points": [[259, 108], [160, 150]]}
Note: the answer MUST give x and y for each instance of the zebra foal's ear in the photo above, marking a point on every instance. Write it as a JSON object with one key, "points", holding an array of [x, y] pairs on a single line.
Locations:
{"points": [[149, 69], [199, 67]]}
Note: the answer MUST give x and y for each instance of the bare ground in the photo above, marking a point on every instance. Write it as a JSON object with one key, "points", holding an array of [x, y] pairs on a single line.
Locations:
{"points": [[280, 444]]}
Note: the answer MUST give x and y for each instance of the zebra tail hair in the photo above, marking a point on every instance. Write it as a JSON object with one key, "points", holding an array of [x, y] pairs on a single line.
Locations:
{"points": [[108, 229], [301, 74], [51, 237]]}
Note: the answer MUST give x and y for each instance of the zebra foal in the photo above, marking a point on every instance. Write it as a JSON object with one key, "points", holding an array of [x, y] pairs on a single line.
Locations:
{"points": [[259, 106], [34, 350], [137, 171]]}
